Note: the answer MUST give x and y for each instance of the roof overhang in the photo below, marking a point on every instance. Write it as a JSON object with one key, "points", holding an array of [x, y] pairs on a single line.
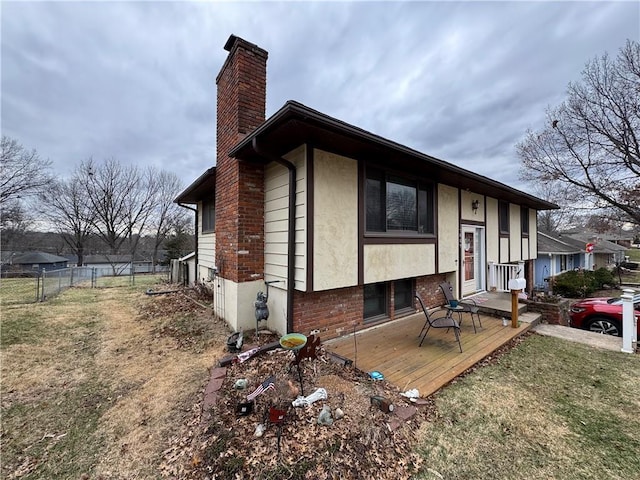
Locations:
{"points": [[203, 187], [295, 124]]}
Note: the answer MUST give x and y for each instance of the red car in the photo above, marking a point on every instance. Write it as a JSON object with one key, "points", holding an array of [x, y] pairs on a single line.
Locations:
{"points": [[602, 315]]}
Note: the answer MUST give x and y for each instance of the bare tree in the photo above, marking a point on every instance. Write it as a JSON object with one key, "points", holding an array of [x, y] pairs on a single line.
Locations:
{"points": [[14, 223], [166, 214], [122, 198], [71, 215], [591, 142], [23, 171]]}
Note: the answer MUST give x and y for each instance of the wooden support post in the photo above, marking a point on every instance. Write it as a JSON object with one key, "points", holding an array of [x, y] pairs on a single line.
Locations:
{"points": [[514, 308]]}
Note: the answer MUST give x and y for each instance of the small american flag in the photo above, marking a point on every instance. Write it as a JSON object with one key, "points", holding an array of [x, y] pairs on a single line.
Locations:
{"points": [[269, 383]]}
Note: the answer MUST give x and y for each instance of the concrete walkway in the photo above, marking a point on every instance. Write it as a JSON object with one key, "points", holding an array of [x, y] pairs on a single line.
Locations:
{"points": [[598, 340]]}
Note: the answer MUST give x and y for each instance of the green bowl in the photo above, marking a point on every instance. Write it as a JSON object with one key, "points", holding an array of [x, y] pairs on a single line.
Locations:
{"points": [[293, 341]]}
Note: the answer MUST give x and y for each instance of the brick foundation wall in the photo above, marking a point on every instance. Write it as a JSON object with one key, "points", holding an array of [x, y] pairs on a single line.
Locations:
{"points": [[552, 313], [429, 290], [337, 312], [240, 185]]}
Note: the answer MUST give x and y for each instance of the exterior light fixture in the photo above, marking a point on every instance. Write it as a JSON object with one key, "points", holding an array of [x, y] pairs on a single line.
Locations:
{"points": [[474, 205]]}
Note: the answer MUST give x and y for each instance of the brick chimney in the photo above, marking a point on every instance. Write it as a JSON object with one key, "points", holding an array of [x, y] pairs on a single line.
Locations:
{"points": [[239, 184]]}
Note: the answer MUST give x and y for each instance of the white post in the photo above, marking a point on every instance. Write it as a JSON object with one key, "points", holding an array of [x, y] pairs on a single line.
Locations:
{"points": [[492, 276], [628, 327]]}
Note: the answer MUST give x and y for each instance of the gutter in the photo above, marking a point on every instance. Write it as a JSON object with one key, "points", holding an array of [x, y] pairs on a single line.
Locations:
{"points": [[195, 235], [291, 233]]}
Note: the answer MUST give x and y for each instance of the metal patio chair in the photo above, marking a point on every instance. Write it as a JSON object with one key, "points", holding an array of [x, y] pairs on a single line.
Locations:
{"points": [[468, 304], [441, 322]]}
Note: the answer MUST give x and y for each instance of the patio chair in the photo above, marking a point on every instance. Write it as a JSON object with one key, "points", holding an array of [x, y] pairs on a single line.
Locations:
{"points": [[468, 304], [441, 322]]}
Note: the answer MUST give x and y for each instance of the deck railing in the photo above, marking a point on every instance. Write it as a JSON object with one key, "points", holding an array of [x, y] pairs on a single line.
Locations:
{"points": [[501, 273]]}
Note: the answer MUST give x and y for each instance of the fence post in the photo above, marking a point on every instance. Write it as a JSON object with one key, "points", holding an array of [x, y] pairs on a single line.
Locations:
{"points": [[38, 286], [71, 279], [93, 277], [44, 276], [628, 327]]}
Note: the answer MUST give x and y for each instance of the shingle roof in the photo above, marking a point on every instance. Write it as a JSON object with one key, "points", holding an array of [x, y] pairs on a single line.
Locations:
{"points": [[38, 257]]}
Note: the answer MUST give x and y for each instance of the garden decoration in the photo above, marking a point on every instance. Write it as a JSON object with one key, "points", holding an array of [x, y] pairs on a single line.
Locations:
{"points": [[295, 342], [319, 394], [268, 384]]}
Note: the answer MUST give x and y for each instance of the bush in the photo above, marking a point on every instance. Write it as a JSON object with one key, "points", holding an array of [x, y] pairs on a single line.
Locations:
{"points": [[582, 283]]}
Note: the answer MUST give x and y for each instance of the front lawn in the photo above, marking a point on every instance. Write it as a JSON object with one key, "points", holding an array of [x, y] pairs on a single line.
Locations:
{"points": [[548, 409]]}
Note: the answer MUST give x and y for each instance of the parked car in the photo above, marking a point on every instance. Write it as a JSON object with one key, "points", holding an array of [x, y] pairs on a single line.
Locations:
{"points": [[601, 315]]}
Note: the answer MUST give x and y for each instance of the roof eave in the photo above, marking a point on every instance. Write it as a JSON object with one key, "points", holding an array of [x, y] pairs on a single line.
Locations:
{"points": [[296, 111]]}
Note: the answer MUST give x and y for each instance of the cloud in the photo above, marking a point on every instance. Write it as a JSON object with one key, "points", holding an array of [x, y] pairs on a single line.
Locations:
{"points": [[136, 81]]}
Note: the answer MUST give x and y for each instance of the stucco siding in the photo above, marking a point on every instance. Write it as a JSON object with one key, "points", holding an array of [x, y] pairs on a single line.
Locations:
{"points": [[448, 229], [276, 221], [335, 222], [391, 262], [493, 239], [466, 206]]}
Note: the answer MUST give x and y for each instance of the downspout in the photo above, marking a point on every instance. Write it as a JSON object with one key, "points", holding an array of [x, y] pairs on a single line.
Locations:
{"points": [[195, 235], [291, 234]]}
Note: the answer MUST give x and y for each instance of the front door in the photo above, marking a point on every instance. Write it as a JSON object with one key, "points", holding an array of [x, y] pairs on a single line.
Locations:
{"points": [[472, 254]]}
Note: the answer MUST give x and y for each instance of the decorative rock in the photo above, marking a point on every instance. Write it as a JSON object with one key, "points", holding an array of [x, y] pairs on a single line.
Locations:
{"points": [[325, 416], [259, 430], [240, 384], [338, 414]]}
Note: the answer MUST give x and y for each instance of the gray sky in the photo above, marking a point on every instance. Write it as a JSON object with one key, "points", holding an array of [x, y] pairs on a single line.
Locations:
{"points": [[461, 81]]}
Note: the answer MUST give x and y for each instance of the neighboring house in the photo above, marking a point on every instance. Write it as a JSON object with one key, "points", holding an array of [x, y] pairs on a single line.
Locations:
{"points": [[555, 256], [38, 261], [604, 253], [341, 226]]}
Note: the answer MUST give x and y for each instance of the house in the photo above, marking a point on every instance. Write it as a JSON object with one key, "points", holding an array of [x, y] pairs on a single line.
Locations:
{"points": [[37, 262], [599, 252], [556, 256], [339, 226], [561, 252]]}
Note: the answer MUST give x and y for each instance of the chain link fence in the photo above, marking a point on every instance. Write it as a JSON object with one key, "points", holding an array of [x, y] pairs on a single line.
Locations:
{"points": [[18, 287]]}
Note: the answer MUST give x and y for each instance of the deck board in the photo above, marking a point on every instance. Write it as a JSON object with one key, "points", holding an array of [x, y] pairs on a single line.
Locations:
{"points": [[393, 350]]}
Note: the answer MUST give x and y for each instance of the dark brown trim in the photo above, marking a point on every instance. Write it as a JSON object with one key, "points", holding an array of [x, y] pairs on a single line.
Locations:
{"points": [[390, 239], [459, 251], [361, 219], [436, 202], [310, 215], [477, 223]]}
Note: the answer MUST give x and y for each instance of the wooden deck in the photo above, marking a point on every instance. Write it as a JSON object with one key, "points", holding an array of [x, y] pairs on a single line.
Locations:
{"points": [[392, 349]]}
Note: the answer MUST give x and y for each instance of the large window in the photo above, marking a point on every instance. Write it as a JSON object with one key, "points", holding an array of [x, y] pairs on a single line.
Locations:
{"points": [[398, 204], [208, 215], [503, 217]]}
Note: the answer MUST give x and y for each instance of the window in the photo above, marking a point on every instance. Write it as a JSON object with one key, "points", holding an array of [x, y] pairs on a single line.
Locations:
{"points": [[375, 300], [208, 215], [503, 217], [563, 263], [402, 294], [524, 218], [398, 204]]}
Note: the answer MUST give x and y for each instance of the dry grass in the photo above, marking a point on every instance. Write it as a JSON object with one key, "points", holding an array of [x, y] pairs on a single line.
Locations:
{"points": [[548, 409], [93, 390]]}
